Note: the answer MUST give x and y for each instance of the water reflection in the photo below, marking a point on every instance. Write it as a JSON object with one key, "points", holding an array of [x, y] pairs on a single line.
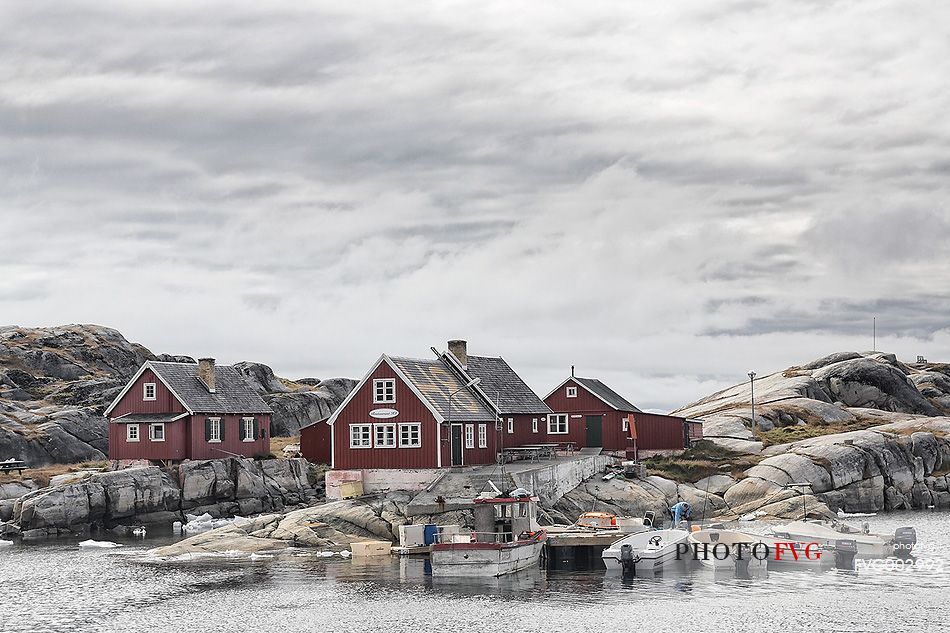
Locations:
{"points": [[58, 587]]}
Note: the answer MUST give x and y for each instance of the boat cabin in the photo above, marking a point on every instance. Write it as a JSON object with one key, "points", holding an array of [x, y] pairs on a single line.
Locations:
{"points": [[505, 519]]}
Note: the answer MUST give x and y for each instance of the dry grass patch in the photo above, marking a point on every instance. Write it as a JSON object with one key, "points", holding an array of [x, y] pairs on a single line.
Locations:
{"points": [[703, 459], [277, 444]]}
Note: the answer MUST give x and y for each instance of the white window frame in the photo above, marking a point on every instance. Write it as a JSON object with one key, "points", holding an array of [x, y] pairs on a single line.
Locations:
{"points": [[409, 442], [361, 436], [482, 436], [572, 392], [128, 433], [215, 430], [248, 431], [385, 385], [145, 388], [387, 442], [511, 425], [534, 425], [626, 424], [556, 419], [469, 436], [151, 432]]}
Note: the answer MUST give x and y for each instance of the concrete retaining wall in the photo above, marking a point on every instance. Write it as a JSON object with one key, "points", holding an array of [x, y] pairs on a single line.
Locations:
{"points": [[382, 480], [550, 483]]}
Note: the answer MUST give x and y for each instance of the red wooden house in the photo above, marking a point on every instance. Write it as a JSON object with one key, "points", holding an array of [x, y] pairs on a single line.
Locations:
{"points": [[177, 411], [415, 413], [591, 414]]}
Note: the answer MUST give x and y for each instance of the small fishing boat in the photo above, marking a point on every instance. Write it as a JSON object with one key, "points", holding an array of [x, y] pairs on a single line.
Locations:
{"points": [[647, 551], [719, 548], [869, 544], [506, 539]]}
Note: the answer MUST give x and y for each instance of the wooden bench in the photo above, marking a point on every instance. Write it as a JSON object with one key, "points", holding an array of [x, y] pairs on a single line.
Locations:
{"points": [[12, 464]]}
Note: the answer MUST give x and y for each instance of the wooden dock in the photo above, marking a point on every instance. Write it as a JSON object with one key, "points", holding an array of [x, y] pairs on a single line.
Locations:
{"points": [[579, 550]]}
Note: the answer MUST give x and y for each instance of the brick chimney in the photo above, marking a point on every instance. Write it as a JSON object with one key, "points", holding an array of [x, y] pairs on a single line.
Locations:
{"points": [[459, 349], [206, 373]]}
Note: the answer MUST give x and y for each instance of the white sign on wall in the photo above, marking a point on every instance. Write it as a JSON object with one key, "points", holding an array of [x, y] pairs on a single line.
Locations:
{"points": [[383, 413]]}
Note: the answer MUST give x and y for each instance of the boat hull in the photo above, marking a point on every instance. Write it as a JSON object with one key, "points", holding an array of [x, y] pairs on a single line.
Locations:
{"points": [[485, 559], [648, 558], [869, 545]]}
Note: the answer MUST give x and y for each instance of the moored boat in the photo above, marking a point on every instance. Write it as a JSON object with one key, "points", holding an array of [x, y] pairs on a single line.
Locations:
{"points": [[869, 544], [506, 539], [644, 551], [720, 548]]}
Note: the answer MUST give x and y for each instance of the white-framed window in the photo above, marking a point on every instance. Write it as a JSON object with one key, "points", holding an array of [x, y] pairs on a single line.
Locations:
{"points": [[131, 432], [572, 392], [534, 425], [557, 423], [469, 436], [156, 432], [410, 435], [384, 391], [214, 429], [511, 425], [247, 430], [148, 391], [626, 424], [482, 436], [385, 435], [361, 436]]}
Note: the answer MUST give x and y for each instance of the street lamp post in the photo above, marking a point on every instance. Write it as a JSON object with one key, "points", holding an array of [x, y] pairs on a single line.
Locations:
{"points": [[752, 387]]}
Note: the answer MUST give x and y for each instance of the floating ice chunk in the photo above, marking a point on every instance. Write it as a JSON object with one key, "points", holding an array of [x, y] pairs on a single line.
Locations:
{"points": [[5, 543], [326, 554], [100, 544], [346, 553]]}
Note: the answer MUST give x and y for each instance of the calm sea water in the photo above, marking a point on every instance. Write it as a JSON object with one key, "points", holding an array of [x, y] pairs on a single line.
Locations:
{"points": [[59, 587]]}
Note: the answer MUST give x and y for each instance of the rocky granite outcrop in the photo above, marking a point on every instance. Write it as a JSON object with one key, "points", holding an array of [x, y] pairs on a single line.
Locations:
{"points": [[56, 382], [843, 390], [133, 496]]}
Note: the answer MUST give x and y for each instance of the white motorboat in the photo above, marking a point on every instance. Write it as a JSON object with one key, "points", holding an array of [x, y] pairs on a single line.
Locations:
{"points": [[719, 548], [793, 553], [647, 551], [869, 545], [506, 539]]}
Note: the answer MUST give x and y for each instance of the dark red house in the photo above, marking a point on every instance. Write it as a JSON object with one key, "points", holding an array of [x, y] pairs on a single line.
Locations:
{"points": [[452, 410], [591, 414], [177, 411]]}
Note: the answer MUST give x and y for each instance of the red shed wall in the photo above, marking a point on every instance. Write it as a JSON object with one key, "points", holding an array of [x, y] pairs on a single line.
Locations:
{"points": [[200, 448], [175, 445], [315, 443], [132, 401], [356, 411], [614, 438], [659, 432], [522, 430]]}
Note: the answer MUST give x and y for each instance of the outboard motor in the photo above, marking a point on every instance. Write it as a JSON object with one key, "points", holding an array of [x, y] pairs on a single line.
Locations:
{"points": [[905, 539], [845, 551], [742, 566], [628, 561]]}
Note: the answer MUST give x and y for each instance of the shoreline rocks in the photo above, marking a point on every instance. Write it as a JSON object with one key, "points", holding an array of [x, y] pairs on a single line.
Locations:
{"points": [[143, 495]]}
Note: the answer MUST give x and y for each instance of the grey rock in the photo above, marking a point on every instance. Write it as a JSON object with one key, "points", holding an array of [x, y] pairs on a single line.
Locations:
{"points": [[261, 377]]}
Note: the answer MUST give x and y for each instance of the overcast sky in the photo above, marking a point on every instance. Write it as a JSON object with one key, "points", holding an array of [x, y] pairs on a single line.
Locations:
{"points": [[664, 197]]}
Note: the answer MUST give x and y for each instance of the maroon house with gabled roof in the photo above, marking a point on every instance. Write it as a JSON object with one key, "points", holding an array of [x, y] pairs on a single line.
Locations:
{"points": [[175, 411], [429, 413], [591, 414]]}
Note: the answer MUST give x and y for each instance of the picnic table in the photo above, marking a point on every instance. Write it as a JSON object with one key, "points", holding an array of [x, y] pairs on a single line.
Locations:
{"points": [[519, 452], [11, 465], [545, 451]]}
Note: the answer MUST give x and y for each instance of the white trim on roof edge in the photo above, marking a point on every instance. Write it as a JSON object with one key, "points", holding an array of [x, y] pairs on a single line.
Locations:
{"points": [[402, 376], [146, 365], [586, 388]]}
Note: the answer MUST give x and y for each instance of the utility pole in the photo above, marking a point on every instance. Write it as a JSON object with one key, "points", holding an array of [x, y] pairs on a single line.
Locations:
{"points": [[874, 329], [752, 387]]}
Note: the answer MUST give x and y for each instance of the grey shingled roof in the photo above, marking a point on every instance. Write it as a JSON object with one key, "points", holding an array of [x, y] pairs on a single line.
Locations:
{"points": [[233, 394], [607, 394], [435, 381], [504, 386]]}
